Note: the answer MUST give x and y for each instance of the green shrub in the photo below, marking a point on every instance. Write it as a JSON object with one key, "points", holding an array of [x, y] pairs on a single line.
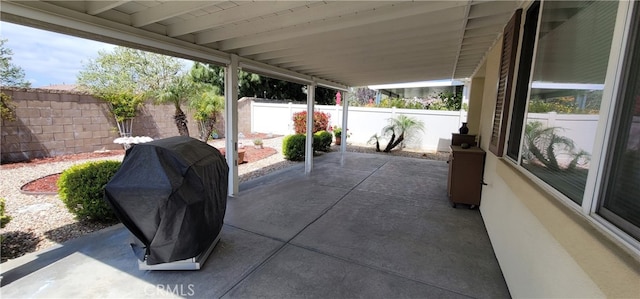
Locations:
{"points": [[322, 141], [4, 219], [293, 147], [81, 188]]}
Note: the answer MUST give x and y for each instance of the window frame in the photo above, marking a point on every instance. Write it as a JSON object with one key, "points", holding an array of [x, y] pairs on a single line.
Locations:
{"points": [[593, 193]]}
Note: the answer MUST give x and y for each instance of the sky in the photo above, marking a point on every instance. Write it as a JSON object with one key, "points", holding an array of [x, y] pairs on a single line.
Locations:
{"points": [[50, 58]]}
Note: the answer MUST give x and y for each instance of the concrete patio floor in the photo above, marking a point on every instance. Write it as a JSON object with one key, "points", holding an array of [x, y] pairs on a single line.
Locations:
{"points": [[360, 226]]}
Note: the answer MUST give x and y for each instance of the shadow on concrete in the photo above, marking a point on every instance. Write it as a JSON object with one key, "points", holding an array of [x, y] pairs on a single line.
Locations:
{"points": [[359, 225]]}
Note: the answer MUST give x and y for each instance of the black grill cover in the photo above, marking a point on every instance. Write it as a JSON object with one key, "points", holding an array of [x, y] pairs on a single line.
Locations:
{"points": [[172, 195]]}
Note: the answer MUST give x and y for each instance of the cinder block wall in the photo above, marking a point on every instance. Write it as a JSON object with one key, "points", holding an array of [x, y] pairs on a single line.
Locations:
{"points": [[51, 123]]}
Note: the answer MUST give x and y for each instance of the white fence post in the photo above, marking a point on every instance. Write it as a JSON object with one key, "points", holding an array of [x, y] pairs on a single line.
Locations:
{"points": [[551, 121]]}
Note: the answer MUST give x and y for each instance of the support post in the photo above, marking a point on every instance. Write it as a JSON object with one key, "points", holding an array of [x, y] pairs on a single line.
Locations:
{"points": [[345, 112], [308, 154], [231, 132], [466, 91]]}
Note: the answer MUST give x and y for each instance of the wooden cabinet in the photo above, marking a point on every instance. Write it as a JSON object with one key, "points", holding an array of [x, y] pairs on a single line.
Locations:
{"points": [[466, 168]]}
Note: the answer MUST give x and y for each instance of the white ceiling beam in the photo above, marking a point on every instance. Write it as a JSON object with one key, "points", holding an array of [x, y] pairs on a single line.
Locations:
{"points": [[388, 50], [461, 36], [394, 12], [279, 73], [354, 44], [97, 7], [371, 64], [246, 10], [397, 76], [167, 10], [428, 23], [299, 15]]}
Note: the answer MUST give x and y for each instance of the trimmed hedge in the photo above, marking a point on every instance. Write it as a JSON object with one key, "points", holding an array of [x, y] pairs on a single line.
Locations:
{"points": [[81, 189], [293, 147], [322, 141], [4, 219]]}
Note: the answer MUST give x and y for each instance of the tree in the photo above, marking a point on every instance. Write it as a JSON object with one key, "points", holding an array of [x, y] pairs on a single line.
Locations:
{"points": [[450, 100], [401, 128], [179, 91], [361, 97], [207, 104], [253, 85], [127, 69], [208, 73], [124, 78], [10, 74]]}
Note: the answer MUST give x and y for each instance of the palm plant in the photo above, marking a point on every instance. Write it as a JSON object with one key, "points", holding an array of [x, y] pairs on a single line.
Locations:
{"points": [[401, 128], [178, 92], [541, 144], [207, 103], [375, 140]]}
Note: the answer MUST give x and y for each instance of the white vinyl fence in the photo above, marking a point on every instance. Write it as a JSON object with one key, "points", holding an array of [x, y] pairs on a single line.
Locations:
{"points": [[581, 128], [363, 122]]}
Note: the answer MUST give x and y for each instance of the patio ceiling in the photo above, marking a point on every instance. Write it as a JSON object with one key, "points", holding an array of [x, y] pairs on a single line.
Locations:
{"points": [[349, 43]]}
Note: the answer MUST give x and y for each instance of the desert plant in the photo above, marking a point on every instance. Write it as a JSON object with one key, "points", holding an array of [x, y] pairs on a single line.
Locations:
{"points": [[320, 121], [400, 129], [258, 143], [541, 144], [293, 147], [4, 218], [375, 140], [322, 141], [81, 189]]}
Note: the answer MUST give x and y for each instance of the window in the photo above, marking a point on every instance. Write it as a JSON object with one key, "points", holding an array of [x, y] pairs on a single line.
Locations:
{"points": [[572, 54], [522, 85], [621, 196], [564, 59]]}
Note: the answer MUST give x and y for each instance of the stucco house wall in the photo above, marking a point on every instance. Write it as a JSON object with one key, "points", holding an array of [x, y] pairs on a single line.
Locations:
{"points": [[545, 249]]}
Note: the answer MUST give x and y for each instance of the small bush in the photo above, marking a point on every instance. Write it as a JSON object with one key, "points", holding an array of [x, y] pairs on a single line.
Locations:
{"points": [[81, 189], [4, 219], [320, 121], [293, 147], [322, 141]]}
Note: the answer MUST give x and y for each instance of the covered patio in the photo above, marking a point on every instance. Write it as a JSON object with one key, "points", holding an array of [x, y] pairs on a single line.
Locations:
{"points": [[360, 225]]}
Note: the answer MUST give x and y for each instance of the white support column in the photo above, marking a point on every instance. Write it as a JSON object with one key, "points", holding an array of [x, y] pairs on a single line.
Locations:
{"points": [[345, 112], [466, 90], [231, 125], [308, 154]]}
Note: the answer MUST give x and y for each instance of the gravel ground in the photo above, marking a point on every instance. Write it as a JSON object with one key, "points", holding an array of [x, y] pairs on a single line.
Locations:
{"points": [[41, 221]]}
